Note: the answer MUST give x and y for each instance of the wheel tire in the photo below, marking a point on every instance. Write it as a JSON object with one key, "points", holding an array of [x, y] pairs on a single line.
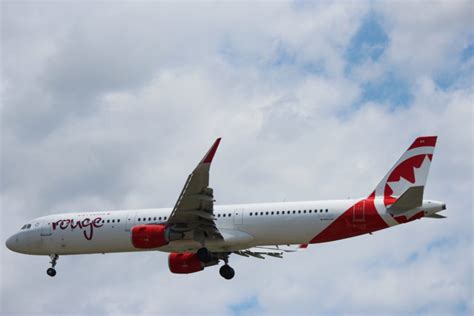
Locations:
{"points": [[227, 272], [51, 272], [204, 255]]}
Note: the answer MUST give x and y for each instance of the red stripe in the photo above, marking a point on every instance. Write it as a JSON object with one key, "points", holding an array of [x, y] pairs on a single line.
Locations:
{"points": [[424, 141], [346, 225]]}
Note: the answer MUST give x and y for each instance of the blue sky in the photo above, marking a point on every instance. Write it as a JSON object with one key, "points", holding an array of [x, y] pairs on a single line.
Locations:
{"points": [[110, 105], [248, 305]]}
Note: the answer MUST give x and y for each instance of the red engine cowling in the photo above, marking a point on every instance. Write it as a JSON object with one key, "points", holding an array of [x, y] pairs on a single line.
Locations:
{"points": [[186, 262], [149, 236]]}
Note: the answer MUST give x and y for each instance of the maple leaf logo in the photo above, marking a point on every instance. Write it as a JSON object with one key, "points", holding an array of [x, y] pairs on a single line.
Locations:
{"points": [[420, 176]]}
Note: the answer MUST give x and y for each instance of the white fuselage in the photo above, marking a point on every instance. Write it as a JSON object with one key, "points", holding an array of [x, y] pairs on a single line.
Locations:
{"points": [[242, 226]]}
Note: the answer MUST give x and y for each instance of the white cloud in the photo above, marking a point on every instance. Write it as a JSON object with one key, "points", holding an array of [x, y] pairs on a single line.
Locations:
{"points": [[426, 37]]}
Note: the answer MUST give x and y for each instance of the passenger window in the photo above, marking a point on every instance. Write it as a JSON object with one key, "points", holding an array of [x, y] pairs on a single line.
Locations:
{"points": [[326, 210], [250, 213], [304, 211], [278, 212], [299, 211], [223, 215], [113, 221], [139, 219], [108, 221], [165, 218], [230, 215], [261, 213], [118, 221], [294, 212], [272, 213], [154, 218], [159, 218]]}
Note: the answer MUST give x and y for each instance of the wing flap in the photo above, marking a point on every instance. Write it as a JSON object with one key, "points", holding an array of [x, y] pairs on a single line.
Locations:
{"points": [[258, 254]]}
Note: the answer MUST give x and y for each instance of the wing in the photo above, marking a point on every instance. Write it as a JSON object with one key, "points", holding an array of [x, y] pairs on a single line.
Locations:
{"points": [[193, 212]]}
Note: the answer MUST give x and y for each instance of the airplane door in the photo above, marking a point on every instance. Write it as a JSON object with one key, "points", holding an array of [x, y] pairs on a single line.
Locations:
{"points": [[46, 239], [238, 217], [46, 229], [359, 212], [131, 216]]}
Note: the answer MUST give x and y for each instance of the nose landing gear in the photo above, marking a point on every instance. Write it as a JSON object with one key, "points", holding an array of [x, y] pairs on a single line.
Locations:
{"points": [[51, 271]]}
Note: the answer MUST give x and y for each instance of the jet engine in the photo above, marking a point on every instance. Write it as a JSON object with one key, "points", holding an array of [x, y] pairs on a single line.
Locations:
{"points": [[189, 262], [186, 262], [149, 236]]}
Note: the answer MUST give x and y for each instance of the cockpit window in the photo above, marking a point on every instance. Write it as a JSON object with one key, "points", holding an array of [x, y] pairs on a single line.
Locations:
{"points": [[26, 226]]}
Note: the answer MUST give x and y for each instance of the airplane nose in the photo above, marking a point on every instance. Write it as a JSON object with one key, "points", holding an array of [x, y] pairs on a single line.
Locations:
{"points": [[11, 243]]}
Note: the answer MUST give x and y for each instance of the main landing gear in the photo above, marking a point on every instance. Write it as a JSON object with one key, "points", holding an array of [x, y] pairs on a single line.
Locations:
{"points": [[51, 271], [227, 272], [204, 255], [210, 258]]}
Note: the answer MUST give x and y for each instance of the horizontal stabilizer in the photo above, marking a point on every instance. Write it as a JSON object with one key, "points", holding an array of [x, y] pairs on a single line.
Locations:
{"points": [[411, 198], [436, 216]]}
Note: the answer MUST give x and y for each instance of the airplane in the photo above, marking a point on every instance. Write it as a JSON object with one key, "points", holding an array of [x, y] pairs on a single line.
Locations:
{"points": [[198, 234]]}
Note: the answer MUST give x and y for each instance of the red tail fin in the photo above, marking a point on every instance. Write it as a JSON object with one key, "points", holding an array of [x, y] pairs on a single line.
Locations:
{"points": [[410, 170]]}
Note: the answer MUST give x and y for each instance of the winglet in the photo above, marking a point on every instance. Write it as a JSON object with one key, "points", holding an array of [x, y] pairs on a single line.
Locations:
{"points": [[210, 154]]}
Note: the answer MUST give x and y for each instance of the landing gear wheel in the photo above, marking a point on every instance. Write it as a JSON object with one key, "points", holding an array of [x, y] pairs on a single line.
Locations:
{"points": [[227, 272], [54, 259], [51, 272], [204, 255]]}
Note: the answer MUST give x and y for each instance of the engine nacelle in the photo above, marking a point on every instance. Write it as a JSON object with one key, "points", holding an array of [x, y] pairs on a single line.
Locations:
{"points": [[149, 236], [186, 262]]}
